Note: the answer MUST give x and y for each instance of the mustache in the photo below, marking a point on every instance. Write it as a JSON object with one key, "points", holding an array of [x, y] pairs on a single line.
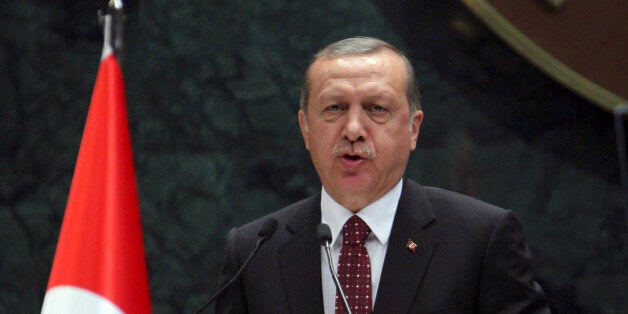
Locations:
{"points": [[362, 149]]}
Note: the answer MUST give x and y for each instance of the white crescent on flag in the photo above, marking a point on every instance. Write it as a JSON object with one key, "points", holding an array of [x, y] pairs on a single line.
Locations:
{"points": [[68, 299]]}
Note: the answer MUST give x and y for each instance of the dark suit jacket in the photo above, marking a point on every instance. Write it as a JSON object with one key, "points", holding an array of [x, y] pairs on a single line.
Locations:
{"points": [[471, 258]]}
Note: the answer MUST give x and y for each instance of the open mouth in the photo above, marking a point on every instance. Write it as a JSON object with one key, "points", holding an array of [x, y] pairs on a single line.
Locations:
{"points": [[351, 157]]}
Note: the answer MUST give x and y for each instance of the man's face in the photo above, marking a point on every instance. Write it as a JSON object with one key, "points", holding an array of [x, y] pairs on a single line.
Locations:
{"points": [[358, 126]]}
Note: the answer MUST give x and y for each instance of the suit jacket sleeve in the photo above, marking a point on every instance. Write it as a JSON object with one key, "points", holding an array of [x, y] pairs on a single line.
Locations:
{"points": [[507, 284]]}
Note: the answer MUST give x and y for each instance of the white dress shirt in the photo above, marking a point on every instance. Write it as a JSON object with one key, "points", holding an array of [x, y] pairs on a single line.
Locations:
{"points": [[379, 216]]}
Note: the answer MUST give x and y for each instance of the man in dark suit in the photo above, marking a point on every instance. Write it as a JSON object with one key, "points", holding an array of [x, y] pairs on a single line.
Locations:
{"points": [[426, 250]]}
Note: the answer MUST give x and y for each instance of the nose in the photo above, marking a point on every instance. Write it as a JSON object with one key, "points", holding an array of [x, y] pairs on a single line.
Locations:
{"points": [[354, 129]]}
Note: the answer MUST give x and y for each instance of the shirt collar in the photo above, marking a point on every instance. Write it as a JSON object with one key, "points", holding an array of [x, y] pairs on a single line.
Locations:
{"points": [[378, 215]]}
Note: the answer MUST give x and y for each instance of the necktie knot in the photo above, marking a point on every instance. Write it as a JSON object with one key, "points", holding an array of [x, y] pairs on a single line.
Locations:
{"points": [[355, 231]]}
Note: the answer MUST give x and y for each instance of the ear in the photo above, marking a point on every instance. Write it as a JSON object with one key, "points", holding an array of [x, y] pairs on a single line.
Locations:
{"points": [[304, 129], [417, 118]]}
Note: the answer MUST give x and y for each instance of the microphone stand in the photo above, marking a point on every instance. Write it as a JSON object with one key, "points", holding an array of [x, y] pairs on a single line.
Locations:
{"points": [[336, 281], [266, 231], [225, 286], [324, 237]]}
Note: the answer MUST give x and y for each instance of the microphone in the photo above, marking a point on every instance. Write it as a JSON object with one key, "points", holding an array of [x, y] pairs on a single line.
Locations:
{"points": [[267, 229], [265, 232], [323, 233]]}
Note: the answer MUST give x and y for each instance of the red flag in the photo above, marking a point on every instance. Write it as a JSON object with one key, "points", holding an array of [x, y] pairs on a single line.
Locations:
{"points": [[99, 265]]}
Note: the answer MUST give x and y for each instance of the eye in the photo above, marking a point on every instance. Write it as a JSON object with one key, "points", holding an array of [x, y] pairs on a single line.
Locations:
{"points": [[377, 108], [333, 111], [335, 108], [378, 113]]}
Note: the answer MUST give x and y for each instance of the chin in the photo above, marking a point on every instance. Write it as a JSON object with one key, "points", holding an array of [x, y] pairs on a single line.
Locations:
{"points": [[356, 185]]}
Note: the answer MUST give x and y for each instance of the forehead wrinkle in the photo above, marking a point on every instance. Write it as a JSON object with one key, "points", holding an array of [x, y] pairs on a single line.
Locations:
{"points": [[335, 92], [377, 91], [349, 67], [368, 85]]}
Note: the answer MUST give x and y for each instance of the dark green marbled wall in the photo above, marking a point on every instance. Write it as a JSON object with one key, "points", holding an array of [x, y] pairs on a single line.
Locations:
{"points": [[212, 90]]}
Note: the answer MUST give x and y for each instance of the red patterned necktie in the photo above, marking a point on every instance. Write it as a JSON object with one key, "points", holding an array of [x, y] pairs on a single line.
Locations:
{"points": [[354, 267]]}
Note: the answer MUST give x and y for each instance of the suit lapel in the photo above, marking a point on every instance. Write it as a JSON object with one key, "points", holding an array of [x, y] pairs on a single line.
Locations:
{"points": [[404, 269], [300, 261]]}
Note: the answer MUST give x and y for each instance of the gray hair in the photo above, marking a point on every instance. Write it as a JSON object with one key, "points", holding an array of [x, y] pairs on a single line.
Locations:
{"points": [[362, 45]]}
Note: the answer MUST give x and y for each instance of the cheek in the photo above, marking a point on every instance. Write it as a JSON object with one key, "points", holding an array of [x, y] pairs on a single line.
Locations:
{"points": [[394, 141], [320, 146], [322, 135]]}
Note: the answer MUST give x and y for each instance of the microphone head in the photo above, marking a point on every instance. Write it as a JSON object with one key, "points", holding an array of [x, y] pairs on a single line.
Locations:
{"points": [[268, 228], [323, 233]]}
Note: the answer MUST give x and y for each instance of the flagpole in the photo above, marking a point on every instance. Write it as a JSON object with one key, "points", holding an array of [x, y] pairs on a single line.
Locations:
{"points": [[113, 29]]}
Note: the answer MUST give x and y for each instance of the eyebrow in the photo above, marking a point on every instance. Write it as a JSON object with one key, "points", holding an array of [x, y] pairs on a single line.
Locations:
{"points": [[331, 96], [334, 93], [383, 95]]}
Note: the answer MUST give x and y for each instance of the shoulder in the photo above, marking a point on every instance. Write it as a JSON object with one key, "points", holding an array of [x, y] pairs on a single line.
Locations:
{"points": [[449, 211], [443, 199], [449, 202]]}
